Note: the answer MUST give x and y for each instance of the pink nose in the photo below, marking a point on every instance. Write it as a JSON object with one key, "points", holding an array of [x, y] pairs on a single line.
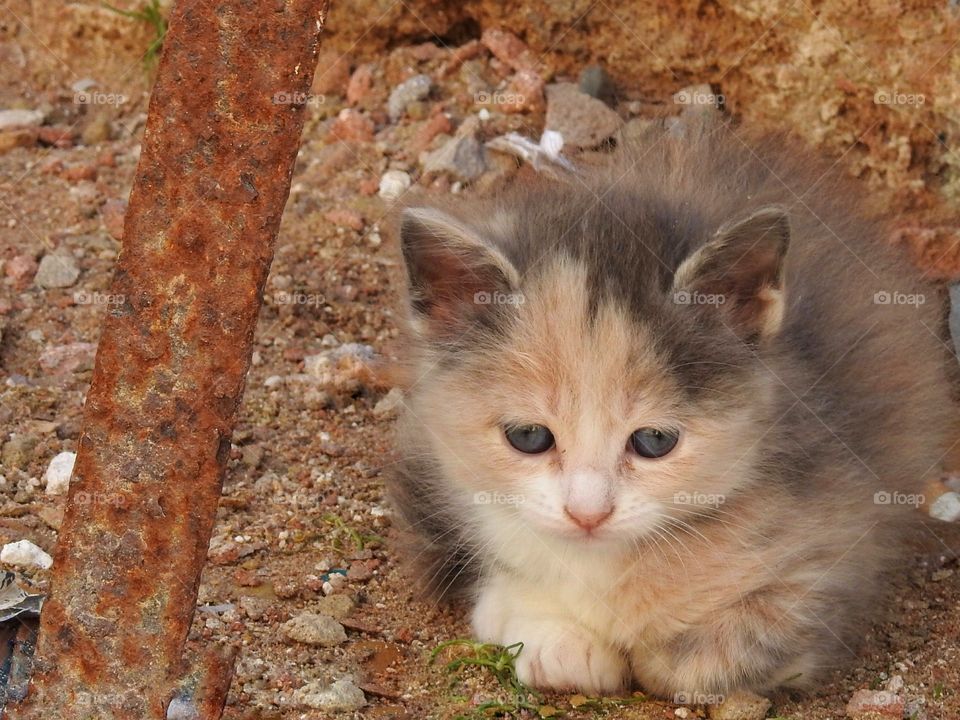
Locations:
{"points": [[588, 520]]}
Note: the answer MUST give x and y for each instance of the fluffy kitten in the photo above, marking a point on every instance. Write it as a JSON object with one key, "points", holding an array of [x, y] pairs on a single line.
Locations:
{"points": [[665, 419]]}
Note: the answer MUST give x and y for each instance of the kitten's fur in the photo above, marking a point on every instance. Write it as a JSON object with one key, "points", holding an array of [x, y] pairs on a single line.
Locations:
{"points": [[799, 398]]}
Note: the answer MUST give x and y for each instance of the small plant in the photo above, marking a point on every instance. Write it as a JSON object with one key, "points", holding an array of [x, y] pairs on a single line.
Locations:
{"points": [[152, 14], [341, 530], [499, 661]]}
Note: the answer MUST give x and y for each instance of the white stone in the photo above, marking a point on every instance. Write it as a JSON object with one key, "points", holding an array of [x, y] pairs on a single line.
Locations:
{"points": [[57, 477], [341, 695], [393, 183], [946, 507], [20, 118], [26, 554]]}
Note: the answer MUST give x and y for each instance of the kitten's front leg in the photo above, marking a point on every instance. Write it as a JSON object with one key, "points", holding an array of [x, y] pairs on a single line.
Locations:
{"points": [[559, 653]]}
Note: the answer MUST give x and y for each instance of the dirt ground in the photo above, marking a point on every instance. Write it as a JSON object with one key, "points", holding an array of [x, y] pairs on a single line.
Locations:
{"points": [[303, 517]]}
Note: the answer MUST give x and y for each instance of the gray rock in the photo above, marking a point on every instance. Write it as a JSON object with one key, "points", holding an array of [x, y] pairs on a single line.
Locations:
{"points": [[314, 629], [741, 706], [407, 92], [465, 158], [341, 695], [10, 119], [57, 271], [583, 121], [595, 82]]}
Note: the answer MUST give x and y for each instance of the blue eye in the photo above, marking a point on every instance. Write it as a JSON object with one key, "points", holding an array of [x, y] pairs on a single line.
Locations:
{"points": [[654, 442], [530, 439]]}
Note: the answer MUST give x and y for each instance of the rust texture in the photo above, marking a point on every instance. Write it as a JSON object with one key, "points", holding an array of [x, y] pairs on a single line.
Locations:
{"points": [[214, 174]]}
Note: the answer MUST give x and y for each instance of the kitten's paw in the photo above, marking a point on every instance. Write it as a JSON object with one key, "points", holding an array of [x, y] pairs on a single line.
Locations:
{"points": [[558, 657]]}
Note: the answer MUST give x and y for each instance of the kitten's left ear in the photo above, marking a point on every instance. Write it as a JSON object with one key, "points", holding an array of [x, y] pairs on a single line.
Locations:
{"points": [[740, 270], [453, 270]]}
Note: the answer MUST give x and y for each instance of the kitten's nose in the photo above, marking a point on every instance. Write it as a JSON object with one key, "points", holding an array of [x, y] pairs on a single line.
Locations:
{"points": [[588, 520]]}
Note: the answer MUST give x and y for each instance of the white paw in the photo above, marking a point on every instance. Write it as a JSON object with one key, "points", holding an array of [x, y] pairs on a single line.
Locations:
{"points": [[559, 657]]}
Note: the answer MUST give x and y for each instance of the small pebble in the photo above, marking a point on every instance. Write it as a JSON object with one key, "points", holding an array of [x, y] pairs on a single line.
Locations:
{"points": [[393, 183], [407, 92], [946, 507], [20, 118], [314, 629], [341, 695], [57, 477], [25, 554], [57, 271]]}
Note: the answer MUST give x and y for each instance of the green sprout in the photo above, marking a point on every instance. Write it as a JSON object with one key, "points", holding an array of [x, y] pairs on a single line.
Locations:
{"points": [[152, 14], [500, 662], [360, 540]]}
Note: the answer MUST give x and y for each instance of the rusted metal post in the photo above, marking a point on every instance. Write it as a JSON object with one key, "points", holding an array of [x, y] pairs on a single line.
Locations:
{"points": [[214, 174]]}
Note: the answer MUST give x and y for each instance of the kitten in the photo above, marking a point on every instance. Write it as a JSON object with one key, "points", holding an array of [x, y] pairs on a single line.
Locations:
{"points": [[669, 418]]}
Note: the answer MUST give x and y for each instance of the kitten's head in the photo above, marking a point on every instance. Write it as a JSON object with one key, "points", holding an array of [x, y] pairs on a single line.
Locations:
{"points": [[587, 388]]}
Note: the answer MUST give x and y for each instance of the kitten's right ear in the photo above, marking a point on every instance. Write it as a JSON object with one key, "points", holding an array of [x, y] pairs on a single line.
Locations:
{"points": [[453, 271]]}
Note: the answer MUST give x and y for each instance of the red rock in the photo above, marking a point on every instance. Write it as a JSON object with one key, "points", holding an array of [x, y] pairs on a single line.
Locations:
{"points": [[465, 52], [360, 84], [333, 74], [875, 704], [52, 166], [425, 51], [510, 50], [21, 269], [351, 125], [524, 93], [428, 130], [79, 172], [112, 214], [345, 218], [107, 159], [369, 186], [57, 135]]}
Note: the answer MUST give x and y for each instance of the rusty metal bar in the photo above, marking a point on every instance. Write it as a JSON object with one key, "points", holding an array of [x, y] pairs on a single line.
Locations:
{"points": [[214, 174]]}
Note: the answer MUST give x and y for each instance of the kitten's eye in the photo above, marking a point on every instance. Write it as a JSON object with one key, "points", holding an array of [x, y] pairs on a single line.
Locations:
{"points": [[654, 442], [530, 439]]}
